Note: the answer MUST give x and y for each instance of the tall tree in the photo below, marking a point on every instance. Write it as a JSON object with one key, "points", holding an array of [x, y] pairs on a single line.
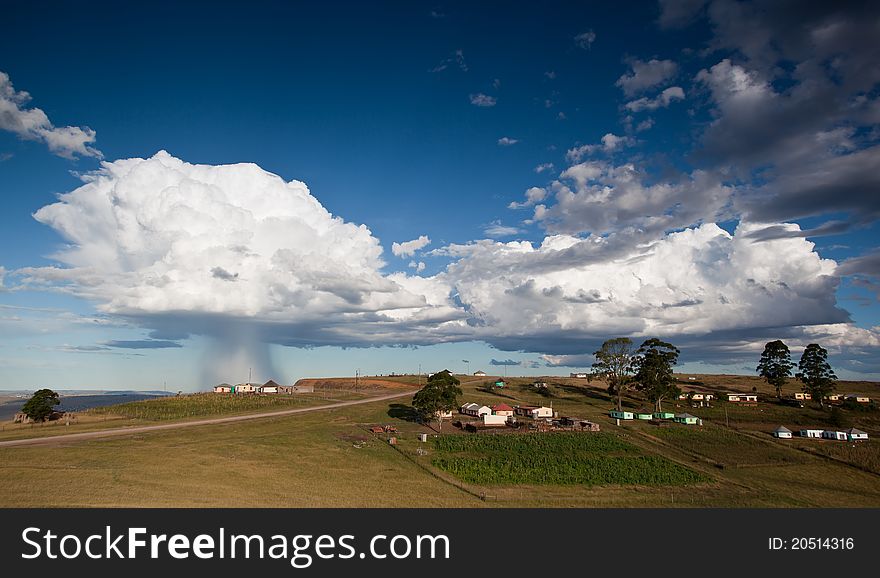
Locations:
{"points": [[653, 363], [614, 364], [41, 404], [775, 365], [815, 373], [440, 394]]}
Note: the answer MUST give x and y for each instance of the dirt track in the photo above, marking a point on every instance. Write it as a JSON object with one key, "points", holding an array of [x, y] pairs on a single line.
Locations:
{"points": [[66, 438]]}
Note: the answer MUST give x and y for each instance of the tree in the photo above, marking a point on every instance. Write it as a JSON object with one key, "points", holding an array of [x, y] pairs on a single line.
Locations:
{"points": [[653, 363], [815, 373], [41, 404], [614, 364], [439, 394], [775, 365]]}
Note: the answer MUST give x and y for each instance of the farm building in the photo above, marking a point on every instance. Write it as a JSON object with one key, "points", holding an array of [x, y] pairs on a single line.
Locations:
{"points": [[289, 389], [223, 388], [782, 432], [268, 387], [802, 395], [858, 398], [533, 411], [831, 434], [742, 398], [489, 419], [812, 433], [474, 409], [502, 409], [621, 414], [579, 375], [643, 414], [687, 419], [480, 373], [855, 435], [663, 415]]}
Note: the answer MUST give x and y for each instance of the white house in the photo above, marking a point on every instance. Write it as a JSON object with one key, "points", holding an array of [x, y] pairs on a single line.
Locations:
{"points": [[440, 414], [782, 432], [858, 398], [802, 395], [579, 375], [268, 387], [856, 434], [489, 419], [475, 409], [222, 388], [742, 398], [479, 373], [834, 397], [834, 435], [246, 387], [812, 433]]}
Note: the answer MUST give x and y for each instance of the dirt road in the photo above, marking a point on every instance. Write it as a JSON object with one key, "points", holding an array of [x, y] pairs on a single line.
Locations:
{"points": [[66, 438]]}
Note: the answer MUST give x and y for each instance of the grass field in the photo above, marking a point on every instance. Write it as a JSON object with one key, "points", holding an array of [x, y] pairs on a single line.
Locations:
{"points": [[329, 458]]}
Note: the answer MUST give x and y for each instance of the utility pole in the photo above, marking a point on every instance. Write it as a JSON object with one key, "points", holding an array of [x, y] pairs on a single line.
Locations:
{"points": [[420, 375]]}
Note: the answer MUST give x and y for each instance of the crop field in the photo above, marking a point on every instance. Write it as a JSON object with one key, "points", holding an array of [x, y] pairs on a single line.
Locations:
{"points": [[556, 458], [863, 454], [211, 404]]}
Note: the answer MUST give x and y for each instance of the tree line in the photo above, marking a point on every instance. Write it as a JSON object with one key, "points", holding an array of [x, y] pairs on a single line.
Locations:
{"points": [[814, 371]]}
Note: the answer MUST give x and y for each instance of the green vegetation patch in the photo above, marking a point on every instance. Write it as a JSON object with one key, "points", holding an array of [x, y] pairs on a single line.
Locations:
{"points": [[209, 404], [555, 458]]}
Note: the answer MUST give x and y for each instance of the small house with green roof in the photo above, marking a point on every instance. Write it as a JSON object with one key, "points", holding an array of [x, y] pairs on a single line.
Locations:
{"points": [[616, 414], [643, 414], [664, 415], [687, 419]]}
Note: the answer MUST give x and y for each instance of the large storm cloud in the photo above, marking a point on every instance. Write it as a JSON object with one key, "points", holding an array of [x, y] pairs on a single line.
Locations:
{"points": [[237, 254]]}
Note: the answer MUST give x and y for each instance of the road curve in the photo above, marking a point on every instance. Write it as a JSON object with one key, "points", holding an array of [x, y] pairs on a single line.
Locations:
{"points": [[122, 431]]}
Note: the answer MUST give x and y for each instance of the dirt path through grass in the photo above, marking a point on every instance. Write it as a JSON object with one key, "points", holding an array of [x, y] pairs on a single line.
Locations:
{"points": [[66, 438]]}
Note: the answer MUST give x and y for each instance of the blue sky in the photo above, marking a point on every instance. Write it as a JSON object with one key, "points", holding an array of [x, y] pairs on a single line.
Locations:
{"points": [[698, 171]]}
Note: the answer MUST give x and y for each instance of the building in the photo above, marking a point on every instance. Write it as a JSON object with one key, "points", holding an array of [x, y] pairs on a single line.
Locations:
{"points": [[643, 414], [812, 433], [858, 398], [475, 409], [223, 388], [687, 419], [663, 415], [268, 387], [440, 414], [489, 419], [802, 395], [540, 385], [855, 435], [616, 414], [245, 387], [579, 375], [782, 432], [742, 397], [830, 434], [834, 397], [480, 373], [500, 383], [502, 409]]}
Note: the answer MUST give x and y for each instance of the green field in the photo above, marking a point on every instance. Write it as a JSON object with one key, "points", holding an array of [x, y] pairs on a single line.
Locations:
{"points": [[329, 458], [556, 458], [213, 404]]}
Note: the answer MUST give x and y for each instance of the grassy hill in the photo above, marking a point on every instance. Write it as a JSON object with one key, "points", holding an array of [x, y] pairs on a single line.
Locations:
{"points": [[329, 458]]}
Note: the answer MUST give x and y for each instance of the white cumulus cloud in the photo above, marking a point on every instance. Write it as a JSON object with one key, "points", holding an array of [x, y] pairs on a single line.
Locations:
{"points": [[645, 75], [484, 100], [408, 248], [33, 124], [662, 100]]}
